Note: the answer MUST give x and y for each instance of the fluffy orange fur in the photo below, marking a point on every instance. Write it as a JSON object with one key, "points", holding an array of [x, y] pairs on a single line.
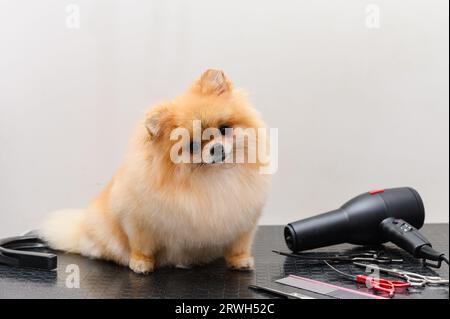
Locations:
{"points": [[155, 212]]}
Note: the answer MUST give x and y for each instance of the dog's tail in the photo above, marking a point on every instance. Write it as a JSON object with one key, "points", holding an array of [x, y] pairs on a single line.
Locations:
{"points": [[63, 229]]}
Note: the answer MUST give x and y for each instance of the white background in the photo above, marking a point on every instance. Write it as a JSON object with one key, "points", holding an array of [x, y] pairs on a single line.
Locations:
{"points": [[356, 108]]}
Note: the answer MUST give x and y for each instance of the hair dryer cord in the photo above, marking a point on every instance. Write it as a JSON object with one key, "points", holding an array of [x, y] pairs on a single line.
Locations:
{"points": [[428, 253]]}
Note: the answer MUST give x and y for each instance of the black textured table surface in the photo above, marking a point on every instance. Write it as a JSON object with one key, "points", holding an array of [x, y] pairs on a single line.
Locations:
{"points": [[100, 279]]}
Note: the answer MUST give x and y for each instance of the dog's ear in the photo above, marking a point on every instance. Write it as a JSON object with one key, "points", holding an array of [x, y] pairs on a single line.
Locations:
{"points": [[154, 120], [214, 82]]}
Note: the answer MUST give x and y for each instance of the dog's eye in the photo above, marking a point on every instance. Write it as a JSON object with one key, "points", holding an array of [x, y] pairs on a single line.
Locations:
{"points": [[223, 129], [194, 147]]}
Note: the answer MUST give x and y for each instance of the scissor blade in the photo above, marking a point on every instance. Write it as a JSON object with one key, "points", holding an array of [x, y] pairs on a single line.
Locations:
{"points": [[372, 266]]}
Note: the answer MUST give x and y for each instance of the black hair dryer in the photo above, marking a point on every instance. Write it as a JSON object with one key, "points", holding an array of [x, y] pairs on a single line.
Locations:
{"points": [[371, 218]]}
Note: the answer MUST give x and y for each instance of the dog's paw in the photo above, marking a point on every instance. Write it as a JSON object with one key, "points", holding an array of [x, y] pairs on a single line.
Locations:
{"points": [[142, 265], [182, 266], [241, 262]]}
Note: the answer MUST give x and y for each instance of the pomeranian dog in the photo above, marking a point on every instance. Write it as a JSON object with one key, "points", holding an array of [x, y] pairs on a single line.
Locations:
{"points": [[157, 211]]}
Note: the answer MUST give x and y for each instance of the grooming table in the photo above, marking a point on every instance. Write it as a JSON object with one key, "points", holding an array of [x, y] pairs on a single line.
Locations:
{"points": [[101, 279]]}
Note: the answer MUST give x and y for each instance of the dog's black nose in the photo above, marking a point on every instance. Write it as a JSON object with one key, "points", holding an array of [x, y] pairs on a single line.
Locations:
{"points": [[217, 152]]}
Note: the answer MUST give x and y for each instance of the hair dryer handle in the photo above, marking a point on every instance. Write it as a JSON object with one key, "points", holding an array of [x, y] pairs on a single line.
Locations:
{"points": [[403, 235]]}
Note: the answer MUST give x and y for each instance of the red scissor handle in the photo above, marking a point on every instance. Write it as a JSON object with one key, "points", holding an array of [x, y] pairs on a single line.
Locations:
{"points": [[383, 285]]}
